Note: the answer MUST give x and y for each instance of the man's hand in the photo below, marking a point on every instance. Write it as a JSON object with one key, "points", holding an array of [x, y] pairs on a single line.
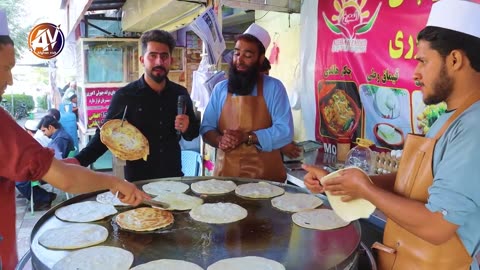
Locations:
{"points": [[312, 178], [181, 122], [291, 150], [350, 184], [231, 139], [129, 193]]}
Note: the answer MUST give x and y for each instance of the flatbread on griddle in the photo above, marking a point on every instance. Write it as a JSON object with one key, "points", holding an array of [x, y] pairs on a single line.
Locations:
{"points": [[249, 263], [144, 219], [85, 211], [167, 264], [260, 190], [178, 201], [96, 258], [125, 142], [73, 236], [213, 187], [159, 187], [218, 213], [319, 219], [109, 198], [296, 202]]}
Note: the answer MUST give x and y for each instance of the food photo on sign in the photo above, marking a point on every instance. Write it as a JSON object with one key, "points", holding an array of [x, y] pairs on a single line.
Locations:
{"points": [[340, 109], [387, 115]]}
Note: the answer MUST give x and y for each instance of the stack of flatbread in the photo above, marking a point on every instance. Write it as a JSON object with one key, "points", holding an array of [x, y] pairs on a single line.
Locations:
{"points": [[124, 141], [144, 219]]}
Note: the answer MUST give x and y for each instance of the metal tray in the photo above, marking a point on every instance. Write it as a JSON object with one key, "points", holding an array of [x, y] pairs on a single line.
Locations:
{"points": [[266, 232]]}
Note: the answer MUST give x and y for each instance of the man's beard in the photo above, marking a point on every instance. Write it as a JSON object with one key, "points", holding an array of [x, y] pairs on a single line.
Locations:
{"points": [[242, 82], [158, 78], [442, 88]]}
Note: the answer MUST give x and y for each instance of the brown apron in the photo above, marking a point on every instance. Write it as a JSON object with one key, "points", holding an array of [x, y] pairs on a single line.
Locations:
{"points": [[414, 177], [248, 113]]}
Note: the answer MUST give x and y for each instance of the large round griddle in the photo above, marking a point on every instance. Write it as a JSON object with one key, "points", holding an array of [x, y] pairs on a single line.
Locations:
{"points": [[266, 232]]}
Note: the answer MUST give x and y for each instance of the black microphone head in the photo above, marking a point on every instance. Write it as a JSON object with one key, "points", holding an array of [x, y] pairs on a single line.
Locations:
{"points": [[181, 104]]}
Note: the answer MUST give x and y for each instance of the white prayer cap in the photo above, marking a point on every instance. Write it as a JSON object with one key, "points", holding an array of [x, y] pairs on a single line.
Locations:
{"points": [[458, 15], [260, 33], [3, 23], [31, 125]]}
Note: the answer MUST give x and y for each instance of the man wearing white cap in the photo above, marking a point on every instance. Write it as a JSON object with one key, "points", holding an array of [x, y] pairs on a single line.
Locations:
{"points": [[27, 159], [433, 201], [248, 117]]}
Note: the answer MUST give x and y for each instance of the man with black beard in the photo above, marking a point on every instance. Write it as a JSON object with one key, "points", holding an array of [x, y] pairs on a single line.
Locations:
{"points": [[248, 117], [152, 108], [433, 202]]}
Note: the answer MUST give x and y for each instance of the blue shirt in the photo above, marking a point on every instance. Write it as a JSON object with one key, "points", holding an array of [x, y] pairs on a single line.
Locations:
{"points": [[276, 98], [62, 143], [456, 185]]}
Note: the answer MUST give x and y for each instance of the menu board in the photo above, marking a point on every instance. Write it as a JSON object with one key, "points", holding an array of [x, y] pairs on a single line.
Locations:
{"points": [[95, 103], [364, 72]]}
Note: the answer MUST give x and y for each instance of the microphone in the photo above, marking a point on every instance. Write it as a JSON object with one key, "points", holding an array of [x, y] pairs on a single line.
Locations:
{"points": [[180, 107]]}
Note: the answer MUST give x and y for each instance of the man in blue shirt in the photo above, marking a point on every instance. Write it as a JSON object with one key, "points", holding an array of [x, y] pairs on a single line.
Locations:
{"points": [[61, 141], [248, 117]]}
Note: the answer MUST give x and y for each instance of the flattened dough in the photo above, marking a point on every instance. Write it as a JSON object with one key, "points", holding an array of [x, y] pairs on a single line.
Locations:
{"points": [[247, 263], [109, 198], [352, 210], [85, 211], [96, 258], [213, 186], [260, 190], [178, 201], [218, 213], [73, 236], [167, 264], [319, 219], [159, 187], [295, 202]]}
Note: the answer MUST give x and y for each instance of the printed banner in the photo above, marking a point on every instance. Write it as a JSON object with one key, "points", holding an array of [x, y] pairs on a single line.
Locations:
{"points": [[96, 100], [365, 62]]}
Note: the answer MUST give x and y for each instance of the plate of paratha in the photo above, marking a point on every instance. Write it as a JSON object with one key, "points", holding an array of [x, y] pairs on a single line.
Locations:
{"points": [[125, 141]]}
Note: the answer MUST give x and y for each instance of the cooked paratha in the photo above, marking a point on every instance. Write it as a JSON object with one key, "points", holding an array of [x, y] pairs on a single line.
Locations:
{"points": [[295, 202], [144, 219], [85, 211], [178, 201], [249, 263], [96, 258], [260, 190], [73, 236], [109, 198], [159, 187], [218, 213], [166, 264], [351, 210], [319, 219], [213, 187], [125, 142]]}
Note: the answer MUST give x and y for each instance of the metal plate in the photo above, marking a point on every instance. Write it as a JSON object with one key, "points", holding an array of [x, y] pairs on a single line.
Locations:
{"points": [[266, 232]]}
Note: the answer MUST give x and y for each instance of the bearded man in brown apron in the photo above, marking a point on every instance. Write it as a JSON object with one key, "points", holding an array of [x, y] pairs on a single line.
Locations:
{"points": [[433, 202], [248, 117]]}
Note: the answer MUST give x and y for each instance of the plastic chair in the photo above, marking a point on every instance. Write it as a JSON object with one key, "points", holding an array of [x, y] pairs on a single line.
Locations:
{"points": [[191, 163]]}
